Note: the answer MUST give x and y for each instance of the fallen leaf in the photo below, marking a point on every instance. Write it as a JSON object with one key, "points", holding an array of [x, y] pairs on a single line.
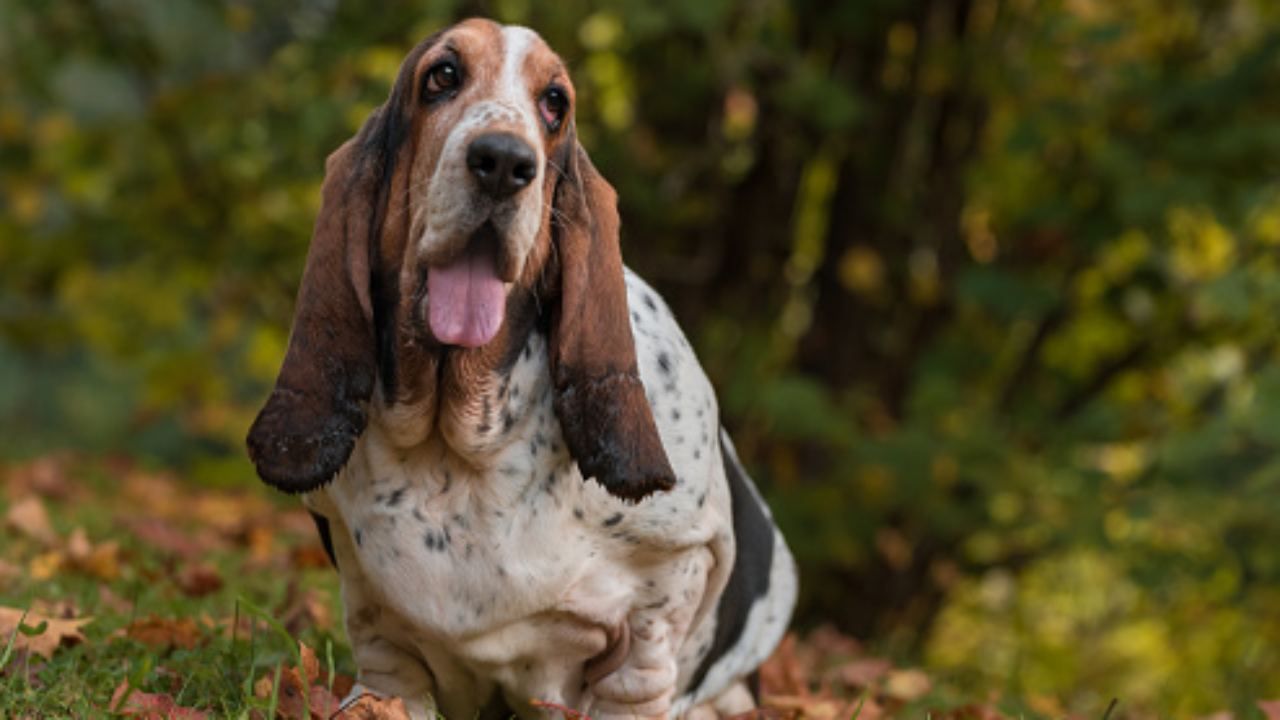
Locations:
{"points": [[53, 632], [102, 561], [165, 633], [46, 476], [46, 565], [309, 557], [907, 685], [782, 674], [150, 706], [108, 599], [163, 536], [1270, 709], [372, 707], [29, 517], [764, 713], [198, 580], [8, 572], [864, 671], [304, 608], [294, 682], [810, 707]]}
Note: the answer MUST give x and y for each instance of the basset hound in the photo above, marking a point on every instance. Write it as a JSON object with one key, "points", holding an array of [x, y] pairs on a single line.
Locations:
{"points": [[509, 445]]}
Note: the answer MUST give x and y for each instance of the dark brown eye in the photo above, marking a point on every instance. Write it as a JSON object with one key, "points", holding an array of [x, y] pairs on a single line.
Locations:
{"points": [[442, 79], [553, 106]]}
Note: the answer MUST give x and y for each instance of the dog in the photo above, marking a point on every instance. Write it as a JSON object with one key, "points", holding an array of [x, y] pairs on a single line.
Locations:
{"points": [[512, 454]]}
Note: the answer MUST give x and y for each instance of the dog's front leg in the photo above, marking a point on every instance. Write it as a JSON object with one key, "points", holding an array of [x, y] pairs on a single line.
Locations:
{"points": [[383, 667], [645, 683]]}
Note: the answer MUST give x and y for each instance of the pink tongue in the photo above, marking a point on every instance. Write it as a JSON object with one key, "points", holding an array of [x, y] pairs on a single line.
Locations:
{"points": [[466, 299]]}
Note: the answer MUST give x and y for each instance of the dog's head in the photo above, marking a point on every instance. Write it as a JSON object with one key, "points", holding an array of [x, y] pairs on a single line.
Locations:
{"points": [[464, 192]]}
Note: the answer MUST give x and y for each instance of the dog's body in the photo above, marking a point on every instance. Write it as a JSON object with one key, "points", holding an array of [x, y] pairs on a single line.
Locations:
{"points": [[445, 443]]}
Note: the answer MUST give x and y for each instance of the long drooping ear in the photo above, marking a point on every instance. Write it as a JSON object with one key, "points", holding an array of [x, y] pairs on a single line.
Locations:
{"points": [[309, 425], [599, 399]]}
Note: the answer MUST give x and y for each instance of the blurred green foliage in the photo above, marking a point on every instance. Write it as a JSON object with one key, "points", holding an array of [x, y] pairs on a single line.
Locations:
{"points": [[989, 287]]}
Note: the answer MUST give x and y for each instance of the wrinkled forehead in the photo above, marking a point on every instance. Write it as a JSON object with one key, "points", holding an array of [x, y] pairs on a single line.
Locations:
{"points": [[496, 55]]}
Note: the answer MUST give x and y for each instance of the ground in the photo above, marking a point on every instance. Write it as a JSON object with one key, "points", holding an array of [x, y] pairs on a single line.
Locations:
{"points": [[129, 592]]}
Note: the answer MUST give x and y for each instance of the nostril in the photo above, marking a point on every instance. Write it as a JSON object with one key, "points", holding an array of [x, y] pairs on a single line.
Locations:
{"points": [[482, 163], [524, 172]]}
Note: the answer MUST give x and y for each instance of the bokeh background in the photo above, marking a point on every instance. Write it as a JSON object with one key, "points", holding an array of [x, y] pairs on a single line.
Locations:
{"points": [[990, 289]]}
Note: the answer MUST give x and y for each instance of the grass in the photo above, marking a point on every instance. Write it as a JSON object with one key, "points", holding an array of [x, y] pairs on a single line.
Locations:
{"points": [[202, 595], [266, 560]]}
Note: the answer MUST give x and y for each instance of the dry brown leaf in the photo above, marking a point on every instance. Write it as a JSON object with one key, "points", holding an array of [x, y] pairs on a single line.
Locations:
{"points": [[163, 536], [810, 707], [323, 703], [46, 565], [1270, 709], [45, 476], [782, 674], [108, 599], [372, 707], [29, 517], [907, 685], [102, 561], [309, 557], [166, 633], [764, 713], [150, 706], [864, 671], [198, 580], [57, 633], [8, 572], [153, 494], [304, 608]]}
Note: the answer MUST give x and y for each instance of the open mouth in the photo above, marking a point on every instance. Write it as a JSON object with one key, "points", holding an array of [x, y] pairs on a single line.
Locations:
{"points": [[466, 298]]}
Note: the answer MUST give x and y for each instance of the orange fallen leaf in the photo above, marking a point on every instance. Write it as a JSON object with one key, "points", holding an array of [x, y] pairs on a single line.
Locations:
{"points": [[907, 685], [198, 580], [372, 707], [29, 517], [1270, 709], [55, 633], [45, 476], [782, 674], [150, 706], [8, 572], [294, 682], [864, 671], [101, 561], [164, 536], [165, 633]]}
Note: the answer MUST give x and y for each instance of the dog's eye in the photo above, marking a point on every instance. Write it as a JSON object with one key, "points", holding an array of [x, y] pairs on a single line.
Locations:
{"points": [[442, 79], [553, 105]]}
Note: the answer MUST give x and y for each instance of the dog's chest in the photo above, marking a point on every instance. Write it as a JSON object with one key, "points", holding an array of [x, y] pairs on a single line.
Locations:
{"points": [[484, 523]]}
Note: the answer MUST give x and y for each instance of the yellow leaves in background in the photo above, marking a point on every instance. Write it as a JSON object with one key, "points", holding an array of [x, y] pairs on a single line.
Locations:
{"points": [[862, 271], [1202, 248]]}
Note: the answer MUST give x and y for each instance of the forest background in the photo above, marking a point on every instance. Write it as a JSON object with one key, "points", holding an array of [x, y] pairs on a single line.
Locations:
{"points": [[990, 289]]}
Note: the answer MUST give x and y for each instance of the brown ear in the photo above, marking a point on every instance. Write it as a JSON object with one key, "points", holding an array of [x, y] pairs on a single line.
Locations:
{"points": [[307, 429], [599, 399]]}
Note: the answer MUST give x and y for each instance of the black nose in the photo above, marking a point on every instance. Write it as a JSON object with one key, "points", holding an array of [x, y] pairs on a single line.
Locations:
{"points": [[502, 163]]}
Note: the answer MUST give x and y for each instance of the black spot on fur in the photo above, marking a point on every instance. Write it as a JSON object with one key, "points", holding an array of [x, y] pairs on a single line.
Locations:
{"points": [[664, 363], [359, 537], [577, 512], [395, 497], [612, 520], [650, 302]]}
